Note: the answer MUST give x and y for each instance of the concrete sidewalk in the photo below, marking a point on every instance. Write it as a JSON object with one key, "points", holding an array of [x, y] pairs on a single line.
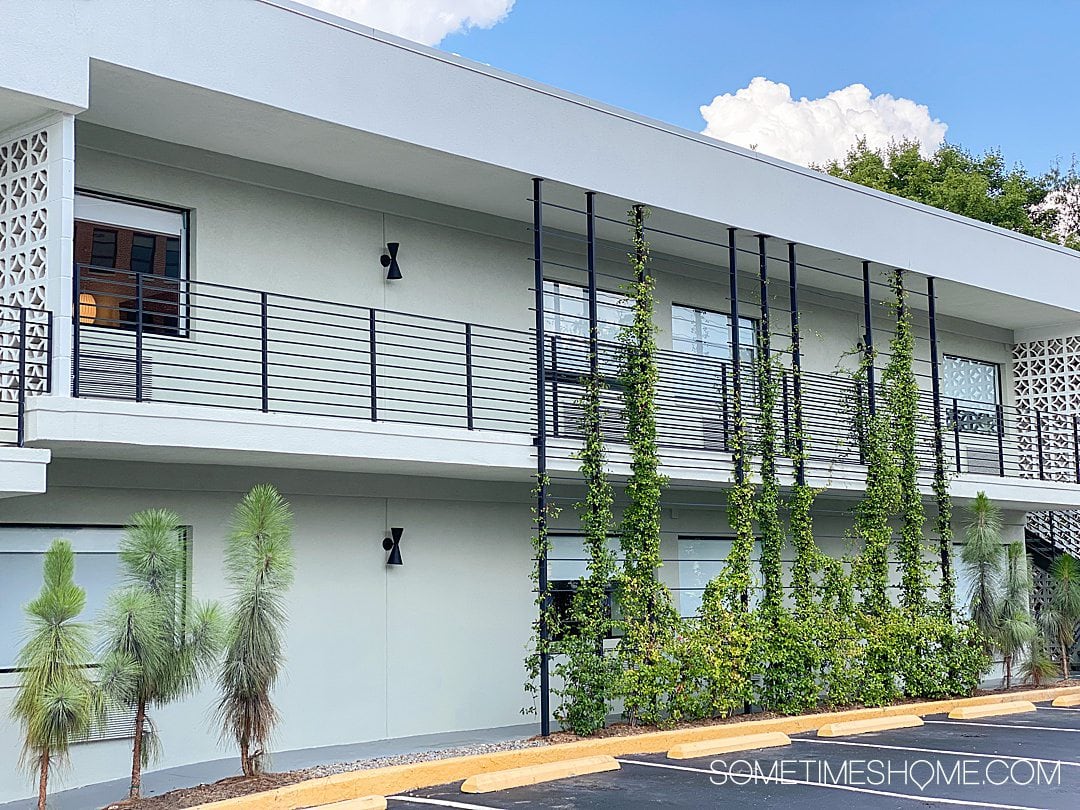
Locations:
{"points": [[157, 782]]}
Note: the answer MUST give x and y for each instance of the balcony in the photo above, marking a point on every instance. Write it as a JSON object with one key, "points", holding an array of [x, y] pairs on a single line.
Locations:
{"points": [[221, 362]]}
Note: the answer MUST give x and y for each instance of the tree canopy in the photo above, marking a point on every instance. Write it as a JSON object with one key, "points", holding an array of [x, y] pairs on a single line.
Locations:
{"points": [[982, 186]]}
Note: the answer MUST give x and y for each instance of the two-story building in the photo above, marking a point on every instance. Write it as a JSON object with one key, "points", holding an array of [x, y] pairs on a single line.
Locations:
{"points": [[254, 242]]}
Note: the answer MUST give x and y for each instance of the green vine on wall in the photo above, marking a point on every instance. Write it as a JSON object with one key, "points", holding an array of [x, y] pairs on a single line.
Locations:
{"points": [[587, 673], [902, 398], [649, 618], [768, 500], [879, 502], [545, 627]]}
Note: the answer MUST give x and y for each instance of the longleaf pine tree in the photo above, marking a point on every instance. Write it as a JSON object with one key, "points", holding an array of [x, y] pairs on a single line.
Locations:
{"points": [[56, 700], [151, 633], [259, 570]]}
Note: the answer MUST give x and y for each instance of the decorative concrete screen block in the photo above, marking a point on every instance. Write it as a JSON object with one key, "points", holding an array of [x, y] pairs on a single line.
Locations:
{"points": [[24, 232], [1047, 382]]}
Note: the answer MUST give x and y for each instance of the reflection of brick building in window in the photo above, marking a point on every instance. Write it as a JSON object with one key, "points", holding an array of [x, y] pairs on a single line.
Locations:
{"points": [[113, 262]]}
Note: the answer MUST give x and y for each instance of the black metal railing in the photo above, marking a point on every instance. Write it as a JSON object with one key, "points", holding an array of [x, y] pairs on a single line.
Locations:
{"points": [[25, 366], [150, 338], [154, 339]]}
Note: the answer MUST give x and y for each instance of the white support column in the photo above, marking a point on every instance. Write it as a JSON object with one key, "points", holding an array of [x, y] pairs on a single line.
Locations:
{"points": [[37, 184], [61, 247]]}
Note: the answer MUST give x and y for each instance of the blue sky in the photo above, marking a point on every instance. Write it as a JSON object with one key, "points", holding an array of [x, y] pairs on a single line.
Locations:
{"points": [[992, 71]]}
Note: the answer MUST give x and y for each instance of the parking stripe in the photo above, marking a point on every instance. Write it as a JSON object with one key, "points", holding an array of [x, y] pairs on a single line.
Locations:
{"points": [[1001, 725], [850, 788], [1059, 708], [934, 751], [442, 803]]}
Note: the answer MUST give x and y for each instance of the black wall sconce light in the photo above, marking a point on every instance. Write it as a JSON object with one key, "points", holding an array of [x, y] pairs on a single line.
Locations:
{"points": [[393, 545], [389, 260]]}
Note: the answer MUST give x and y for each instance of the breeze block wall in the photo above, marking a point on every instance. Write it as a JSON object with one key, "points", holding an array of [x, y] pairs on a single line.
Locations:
{"points": [[36, 203]]}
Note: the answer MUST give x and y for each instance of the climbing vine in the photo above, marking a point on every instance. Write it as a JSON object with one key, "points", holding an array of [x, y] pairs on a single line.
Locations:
{"points": [[545, 627], [947, 584], [649, 618], [840, 642], [768, 500], [587, 674], [902, 400], [879, 502]]}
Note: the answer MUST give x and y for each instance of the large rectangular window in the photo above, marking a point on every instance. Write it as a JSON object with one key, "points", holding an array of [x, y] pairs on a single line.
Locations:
{"points": [[120, 246], [22, 555], [708, 334], [566, 322], [700, 560], [568, 564], [566, 311], [974, 388]]}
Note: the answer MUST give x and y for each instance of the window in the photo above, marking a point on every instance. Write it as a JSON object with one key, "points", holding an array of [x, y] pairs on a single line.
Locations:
{"points": [[567, 566], [103, 251], [120, 246], [974, 385], [708, 334], [22, 553], [142, 252], [700, 560], [566, 321]]}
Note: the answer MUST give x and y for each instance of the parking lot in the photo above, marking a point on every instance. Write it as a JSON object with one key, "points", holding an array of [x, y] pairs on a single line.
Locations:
{"points": [[1015, 761]]}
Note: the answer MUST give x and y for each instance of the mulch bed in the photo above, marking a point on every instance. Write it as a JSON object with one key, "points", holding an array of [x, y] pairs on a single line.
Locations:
{"points": [[201, 794], [241, 786]]}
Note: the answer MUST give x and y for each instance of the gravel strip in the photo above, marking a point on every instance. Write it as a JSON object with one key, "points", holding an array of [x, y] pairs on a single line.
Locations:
{"points": [[422, 756]]}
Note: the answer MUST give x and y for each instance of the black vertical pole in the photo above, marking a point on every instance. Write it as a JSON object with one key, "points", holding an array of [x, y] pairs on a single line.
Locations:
{"points": [[594, 326], [763, 280], [868, 338], [736, 375], [373, 366], [264, 323], [468, 377], [765, 329], [138, 337], [796, 363], [935, 375], [939, 439], [956, 432], [76, 320], [541, 453], [21, 433], [1001, 443]]}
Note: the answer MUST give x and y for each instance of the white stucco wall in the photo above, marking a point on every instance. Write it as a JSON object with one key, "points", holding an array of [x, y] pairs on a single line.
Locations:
{"points": [[256, 227], [373, 652]]}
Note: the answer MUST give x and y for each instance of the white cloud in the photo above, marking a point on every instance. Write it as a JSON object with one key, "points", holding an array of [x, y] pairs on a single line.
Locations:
{"points": [[424, 21], [764, 116]]}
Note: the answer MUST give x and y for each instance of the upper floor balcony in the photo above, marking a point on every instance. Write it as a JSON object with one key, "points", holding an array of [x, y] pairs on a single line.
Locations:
{"points": [[173, 369]]}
